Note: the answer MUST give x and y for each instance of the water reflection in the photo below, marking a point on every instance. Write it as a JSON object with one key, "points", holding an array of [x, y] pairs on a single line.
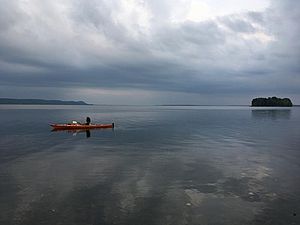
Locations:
{"points": [[200, 166], [75, 132], [88, 133], [273, 114], [86, 185]]}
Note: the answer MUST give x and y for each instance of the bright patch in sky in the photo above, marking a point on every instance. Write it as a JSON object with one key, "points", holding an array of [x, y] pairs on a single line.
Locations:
{"points": [[200, 10]]}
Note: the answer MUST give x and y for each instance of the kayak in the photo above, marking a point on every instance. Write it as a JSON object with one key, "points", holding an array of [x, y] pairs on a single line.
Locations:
{"points": [[81, 126]]}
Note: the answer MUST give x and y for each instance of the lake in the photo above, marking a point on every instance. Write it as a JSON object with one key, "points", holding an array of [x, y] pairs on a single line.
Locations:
{"points": [[163, 165]]}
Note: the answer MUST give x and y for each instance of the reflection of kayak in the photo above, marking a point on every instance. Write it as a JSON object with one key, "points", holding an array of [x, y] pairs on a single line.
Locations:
{"points": [[81, 126]]}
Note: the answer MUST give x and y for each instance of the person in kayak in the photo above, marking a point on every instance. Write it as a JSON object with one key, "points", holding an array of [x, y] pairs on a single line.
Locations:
{"points": [[88, 121]]}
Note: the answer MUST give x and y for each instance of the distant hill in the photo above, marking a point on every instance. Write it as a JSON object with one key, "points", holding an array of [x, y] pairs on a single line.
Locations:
{"points": [[274, 101], [39, 102]]}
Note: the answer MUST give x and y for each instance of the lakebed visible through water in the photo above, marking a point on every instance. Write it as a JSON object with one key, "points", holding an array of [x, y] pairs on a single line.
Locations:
{"points": [[160, 165]]}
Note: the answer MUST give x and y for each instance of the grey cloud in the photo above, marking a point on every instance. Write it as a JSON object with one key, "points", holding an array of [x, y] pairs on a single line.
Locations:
{"points": [[256, 17], [238, 25], [84, 44]]}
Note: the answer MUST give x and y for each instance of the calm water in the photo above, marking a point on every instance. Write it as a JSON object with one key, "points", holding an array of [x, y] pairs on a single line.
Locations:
{"points": [[160, 165]]}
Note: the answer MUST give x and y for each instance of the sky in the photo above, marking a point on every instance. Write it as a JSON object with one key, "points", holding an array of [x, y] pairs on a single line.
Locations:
{"points": [[150, 51]]}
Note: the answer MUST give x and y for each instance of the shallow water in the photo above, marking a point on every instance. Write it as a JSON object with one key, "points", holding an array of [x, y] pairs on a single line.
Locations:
{"points": [[160, 165]]}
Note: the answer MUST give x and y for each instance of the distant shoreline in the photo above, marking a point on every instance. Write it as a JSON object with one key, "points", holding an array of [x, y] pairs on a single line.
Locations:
{"points": [[196, 105], [15, 101]]}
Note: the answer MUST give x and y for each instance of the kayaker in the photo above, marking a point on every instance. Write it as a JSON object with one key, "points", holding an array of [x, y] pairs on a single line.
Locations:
{"points": [[88, 121]]}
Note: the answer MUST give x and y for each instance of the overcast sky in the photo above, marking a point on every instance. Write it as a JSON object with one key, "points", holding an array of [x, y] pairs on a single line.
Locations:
{"points": [[150, 51]]}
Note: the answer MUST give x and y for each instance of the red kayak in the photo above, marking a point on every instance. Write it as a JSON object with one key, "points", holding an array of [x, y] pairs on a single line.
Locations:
{"points": [[81, 126]]}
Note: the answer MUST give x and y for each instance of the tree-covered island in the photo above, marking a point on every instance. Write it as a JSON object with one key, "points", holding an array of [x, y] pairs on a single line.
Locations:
{"points": [[272, 101]]}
